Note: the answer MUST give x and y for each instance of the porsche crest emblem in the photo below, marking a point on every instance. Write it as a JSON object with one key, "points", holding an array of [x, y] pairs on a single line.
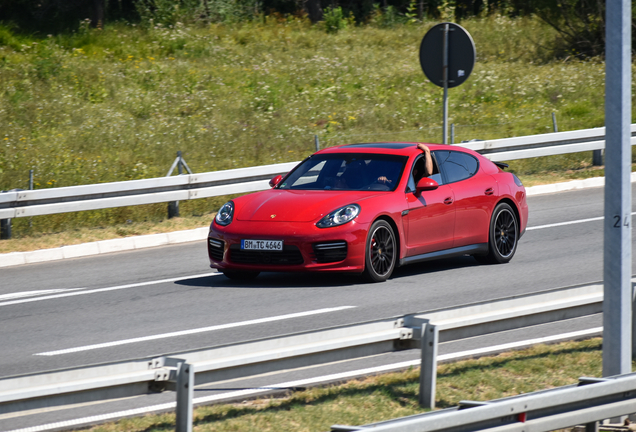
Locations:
{"points": [[273, 216]]}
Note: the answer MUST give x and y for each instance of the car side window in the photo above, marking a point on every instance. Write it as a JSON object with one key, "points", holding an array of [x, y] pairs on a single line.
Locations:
{"points": [[456, 165], [417, 173]]}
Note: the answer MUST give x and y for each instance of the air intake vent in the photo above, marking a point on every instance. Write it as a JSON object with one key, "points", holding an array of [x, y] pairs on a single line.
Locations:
{"points": [[330, 252], [215, 249]]}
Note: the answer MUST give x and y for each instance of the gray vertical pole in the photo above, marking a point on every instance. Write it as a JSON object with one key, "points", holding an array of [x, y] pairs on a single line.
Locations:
{"points": [[445, 79], [633, 328], [554, 123], [591, 427], [173, 206], [428, 370], [180, 164], [30, 188], [617, 257], [185, 392], [5, 229], [452, 139]]}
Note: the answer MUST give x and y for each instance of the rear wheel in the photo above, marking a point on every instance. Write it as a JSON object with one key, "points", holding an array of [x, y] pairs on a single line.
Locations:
{"points": [[240, 274], [503, 236], [381, 252]]}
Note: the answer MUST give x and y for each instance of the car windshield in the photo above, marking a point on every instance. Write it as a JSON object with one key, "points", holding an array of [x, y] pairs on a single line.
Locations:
{"points": [[347, 171]]}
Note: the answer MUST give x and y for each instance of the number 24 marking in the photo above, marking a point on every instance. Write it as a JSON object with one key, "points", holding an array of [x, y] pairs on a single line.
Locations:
{"points": [[617, 224]]}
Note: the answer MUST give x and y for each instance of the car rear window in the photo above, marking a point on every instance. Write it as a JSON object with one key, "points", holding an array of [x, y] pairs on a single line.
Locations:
{"points": [[456, 165]]}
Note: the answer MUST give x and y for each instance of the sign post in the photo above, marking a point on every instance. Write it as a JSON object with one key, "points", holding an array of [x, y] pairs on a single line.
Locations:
{"points": [[617, 256], [447, 57]]}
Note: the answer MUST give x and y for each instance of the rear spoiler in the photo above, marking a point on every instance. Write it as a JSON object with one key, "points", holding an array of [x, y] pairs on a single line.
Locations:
{"points": [[501, 165]]}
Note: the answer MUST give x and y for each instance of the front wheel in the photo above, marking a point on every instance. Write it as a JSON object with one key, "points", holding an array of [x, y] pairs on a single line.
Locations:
{"points": [[380, 253], [503, 236]]}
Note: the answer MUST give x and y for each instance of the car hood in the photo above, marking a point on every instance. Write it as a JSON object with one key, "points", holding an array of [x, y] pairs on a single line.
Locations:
{"points": [[293, 205]]}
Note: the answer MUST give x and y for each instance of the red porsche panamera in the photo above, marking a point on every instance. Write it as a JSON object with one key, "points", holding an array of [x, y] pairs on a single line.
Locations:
{"points": [[366, 208]]}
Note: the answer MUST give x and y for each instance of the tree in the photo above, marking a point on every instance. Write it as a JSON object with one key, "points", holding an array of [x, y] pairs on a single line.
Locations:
{"points": [[314, 10], [579, 23]]}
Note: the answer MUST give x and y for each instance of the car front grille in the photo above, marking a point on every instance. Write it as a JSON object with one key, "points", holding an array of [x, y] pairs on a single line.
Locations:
{"points": [[330, 252], [215, 249], [290, 255]]}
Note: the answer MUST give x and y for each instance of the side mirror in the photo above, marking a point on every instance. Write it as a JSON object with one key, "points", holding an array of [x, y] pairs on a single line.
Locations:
{"points": [[273, 182], [425, 184]]}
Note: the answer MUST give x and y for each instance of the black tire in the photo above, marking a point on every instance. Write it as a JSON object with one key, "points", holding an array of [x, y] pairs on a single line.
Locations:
{"points": [[240, 274], [502, 237], [380, 253]]}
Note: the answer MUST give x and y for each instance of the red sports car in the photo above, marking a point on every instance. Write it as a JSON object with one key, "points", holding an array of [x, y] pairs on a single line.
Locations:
{"points": [[367, 208]]}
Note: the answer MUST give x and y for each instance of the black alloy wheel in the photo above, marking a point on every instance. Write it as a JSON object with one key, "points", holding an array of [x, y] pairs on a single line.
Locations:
{"points": [[381, 252], [503, 236]]}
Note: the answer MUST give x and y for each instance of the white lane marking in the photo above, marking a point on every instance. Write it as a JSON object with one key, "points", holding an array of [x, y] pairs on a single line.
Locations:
{"points": [[568, 223], [306, 382], [16, 295], [82, 291], [564, 223], [194, 331]]}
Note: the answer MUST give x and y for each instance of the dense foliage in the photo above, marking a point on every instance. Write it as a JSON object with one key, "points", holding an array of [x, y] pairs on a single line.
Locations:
{"points": [[579, 23]]}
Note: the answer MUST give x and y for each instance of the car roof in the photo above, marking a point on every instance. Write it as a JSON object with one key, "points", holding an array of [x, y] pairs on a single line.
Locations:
{"points": [[396, 148]]}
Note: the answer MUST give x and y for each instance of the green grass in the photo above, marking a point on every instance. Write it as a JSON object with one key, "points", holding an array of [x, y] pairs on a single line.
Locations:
{"points": [[394, 395], [117, 104]]}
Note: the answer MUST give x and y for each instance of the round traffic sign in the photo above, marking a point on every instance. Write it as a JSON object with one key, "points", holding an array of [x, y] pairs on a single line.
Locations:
{"points": [[460, 52]]}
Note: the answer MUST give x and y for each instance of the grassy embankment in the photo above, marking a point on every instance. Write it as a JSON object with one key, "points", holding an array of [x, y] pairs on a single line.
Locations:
{"points": [[392, 395], [116, 104]]}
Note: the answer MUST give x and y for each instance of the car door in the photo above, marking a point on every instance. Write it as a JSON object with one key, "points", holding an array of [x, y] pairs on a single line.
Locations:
{"points": [[475, 195], [429, 218]]}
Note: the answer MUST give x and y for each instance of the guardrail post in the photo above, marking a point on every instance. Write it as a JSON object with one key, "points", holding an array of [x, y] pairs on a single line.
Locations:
{"points": [[428, 371], [185, 392], [179, 163], [5, 229], [597, 157], [173, 209], [591, 427]]}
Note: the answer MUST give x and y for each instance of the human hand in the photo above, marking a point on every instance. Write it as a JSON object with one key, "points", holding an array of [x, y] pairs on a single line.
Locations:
{"points": [[383, 179], [423, 147]]}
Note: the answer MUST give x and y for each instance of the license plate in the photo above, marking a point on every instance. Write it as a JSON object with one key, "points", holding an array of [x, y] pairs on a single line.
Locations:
{"points": [[263, 245]]}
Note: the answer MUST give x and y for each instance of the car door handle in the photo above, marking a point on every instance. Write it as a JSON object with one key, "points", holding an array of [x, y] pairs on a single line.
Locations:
{"points": [[448, 201], [489, 191]]}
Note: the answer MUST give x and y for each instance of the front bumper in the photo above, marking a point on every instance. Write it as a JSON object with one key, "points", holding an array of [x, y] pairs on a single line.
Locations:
{"points": [[305, 247]]}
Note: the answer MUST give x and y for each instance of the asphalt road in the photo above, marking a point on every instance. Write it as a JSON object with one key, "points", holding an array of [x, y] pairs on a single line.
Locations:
{"points": [[163, 300]]}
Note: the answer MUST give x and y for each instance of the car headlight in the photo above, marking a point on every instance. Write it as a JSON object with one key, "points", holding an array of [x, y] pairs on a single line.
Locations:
{"points": [[340, 216], [225, 214]]}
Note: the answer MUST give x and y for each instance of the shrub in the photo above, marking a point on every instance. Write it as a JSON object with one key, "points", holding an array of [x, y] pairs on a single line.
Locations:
{"points": [[335, 20]]}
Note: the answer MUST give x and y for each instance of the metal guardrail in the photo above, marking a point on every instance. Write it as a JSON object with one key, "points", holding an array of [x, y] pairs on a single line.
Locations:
{"points": [[40, 202], [492, 317], [590, 401], [543, 145], [142, 376]]}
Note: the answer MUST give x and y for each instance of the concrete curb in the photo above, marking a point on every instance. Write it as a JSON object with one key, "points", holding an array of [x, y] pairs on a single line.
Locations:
{"points": [[102, 247], [198, 234]]}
